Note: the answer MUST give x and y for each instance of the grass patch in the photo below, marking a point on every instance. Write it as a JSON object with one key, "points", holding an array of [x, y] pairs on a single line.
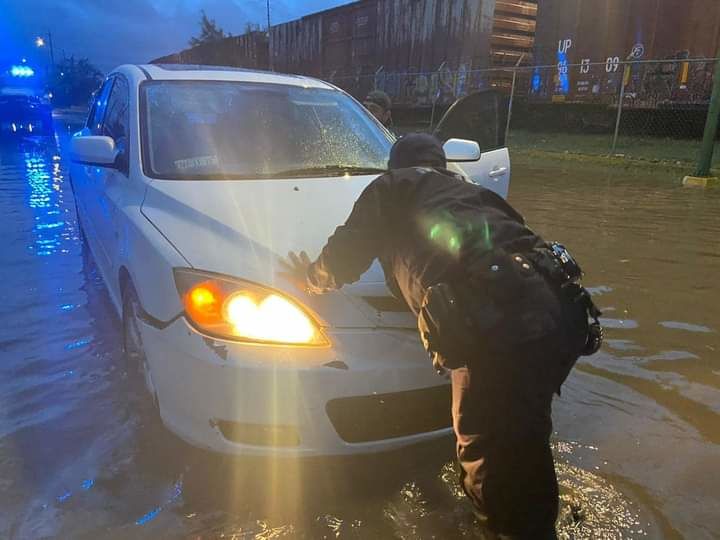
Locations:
{"points": [[677, 154]]}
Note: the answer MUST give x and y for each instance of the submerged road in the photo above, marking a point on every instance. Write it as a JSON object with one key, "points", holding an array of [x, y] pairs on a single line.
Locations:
{"points": [[637, 427]]}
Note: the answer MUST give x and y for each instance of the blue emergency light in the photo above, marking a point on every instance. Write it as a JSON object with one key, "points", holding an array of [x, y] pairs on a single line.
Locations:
{"points": [[22, 71]]}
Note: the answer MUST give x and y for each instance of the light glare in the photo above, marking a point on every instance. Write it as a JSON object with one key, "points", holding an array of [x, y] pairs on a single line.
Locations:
{"points": [[273, 319], [22, 71]]}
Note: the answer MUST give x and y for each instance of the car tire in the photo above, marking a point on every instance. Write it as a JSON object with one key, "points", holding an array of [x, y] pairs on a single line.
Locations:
{"points": [[81, 231], [136, 365]]}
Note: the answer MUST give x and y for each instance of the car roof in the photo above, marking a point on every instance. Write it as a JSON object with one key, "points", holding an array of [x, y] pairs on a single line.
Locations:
{"points": [[186, 72]]}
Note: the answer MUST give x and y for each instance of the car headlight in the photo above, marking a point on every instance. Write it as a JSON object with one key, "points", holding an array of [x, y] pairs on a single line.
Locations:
{"points": [[230, 308]]}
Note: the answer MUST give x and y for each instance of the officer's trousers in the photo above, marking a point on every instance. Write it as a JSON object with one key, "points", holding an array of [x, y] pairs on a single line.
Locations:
{"points": [[502, 420]]}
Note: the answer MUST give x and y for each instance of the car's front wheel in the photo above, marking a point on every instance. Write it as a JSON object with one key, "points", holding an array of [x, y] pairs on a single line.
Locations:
{"points": [[136, 363]]}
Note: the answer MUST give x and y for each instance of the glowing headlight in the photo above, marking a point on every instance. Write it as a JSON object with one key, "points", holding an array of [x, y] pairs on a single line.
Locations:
{"points": [[243, 311]]}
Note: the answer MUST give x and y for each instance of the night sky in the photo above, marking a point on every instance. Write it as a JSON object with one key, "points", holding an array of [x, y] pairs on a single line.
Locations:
{"points": [[113, 32]]}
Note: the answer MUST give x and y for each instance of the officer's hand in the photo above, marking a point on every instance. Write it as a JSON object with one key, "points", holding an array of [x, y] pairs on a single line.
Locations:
{"points": [[295, 269]]}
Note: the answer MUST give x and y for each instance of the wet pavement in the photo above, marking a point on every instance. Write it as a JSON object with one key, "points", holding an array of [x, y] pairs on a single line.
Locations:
{"points": [[637, 427]]}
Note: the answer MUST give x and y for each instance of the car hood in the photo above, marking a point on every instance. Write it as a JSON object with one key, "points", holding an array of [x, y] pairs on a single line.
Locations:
{"points": [[243, 228]]}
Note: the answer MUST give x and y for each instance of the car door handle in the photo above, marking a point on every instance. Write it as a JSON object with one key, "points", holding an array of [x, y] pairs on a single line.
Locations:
{"points": [[497, 171]]}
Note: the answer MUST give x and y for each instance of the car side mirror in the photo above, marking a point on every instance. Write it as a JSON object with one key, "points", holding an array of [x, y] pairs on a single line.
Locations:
{"points": [[94, 150], [459, 150]]}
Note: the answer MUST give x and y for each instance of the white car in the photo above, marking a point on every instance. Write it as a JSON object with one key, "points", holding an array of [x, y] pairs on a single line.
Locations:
{"points": [[191, 183]]}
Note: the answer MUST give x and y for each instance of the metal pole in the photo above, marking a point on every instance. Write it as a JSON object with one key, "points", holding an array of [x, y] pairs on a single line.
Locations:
{"points": [[711, 127], [512, 97], [510, 104], [620, 107], [436, 96], [270, 48], [52, 51]]}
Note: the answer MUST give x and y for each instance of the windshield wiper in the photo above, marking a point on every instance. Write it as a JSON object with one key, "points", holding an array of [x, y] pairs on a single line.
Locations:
{"points": [[328, 169]]}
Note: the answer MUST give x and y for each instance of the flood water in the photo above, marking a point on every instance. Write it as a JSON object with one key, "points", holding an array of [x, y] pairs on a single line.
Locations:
{"points": [[637, 428]]}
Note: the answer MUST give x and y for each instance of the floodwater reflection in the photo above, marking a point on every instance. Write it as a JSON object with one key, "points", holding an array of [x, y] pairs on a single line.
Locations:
{"points": [[636, 428]]}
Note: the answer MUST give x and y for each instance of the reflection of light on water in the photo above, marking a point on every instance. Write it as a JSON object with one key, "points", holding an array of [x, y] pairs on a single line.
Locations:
{"points": [[590, 506], [45, 182], [152, 514]]}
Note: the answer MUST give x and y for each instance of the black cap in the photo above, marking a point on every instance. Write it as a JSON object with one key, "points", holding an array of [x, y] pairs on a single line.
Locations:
{"points": [[380, 98], [417, 150]]}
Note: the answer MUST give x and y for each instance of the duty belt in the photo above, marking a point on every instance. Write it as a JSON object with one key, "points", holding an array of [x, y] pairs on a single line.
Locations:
{"points": [[561, 270]]}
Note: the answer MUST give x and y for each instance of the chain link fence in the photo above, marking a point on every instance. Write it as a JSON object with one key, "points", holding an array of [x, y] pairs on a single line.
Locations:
{"points": [[650, 110]]}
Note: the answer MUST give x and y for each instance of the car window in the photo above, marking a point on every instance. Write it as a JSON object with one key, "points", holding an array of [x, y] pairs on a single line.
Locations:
{"points": [[212, 129], [98, 110], [117, 115]]}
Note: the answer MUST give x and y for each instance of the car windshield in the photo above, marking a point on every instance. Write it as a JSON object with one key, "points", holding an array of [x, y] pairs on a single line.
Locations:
{"points": [[214, 130]]}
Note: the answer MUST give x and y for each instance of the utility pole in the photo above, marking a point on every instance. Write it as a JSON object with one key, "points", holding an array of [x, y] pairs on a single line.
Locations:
{"points": [[702, 173], [270, 49], [40, 42], [711, 126], [52, 51]]}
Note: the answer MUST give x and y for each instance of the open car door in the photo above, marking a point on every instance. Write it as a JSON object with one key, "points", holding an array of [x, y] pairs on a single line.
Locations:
{"points": [[481, 117]]}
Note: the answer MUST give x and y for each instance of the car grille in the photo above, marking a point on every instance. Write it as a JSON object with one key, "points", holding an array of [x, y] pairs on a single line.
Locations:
{"points": [[385, 416], [387, 304], [259, 434]]}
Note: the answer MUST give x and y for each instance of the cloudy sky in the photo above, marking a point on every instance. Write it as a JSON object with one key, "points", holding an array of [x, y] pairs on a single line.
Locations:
{"points": [[113, 32]]}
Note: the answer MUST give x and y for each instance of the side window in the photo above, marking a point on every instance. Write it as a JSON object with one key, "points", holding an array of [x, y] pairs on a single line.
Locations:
{"points": [[117, 118], [98, 110]]}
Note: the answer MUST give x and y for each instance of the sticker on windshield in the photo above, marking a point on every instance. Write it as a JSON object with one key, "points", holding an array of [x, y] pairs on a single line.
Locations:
{"points": [[196, 162]]}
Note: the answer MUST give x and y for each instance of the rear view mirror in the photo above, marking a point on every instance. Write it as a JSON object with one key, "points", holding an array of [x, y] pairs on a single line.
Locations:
{"points": [[93, 150], [459, 150], [479, 117]]}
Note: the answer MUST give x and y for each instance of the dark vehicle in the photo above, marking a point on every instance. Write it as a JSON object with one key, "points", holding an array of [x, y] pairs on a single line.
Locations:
{"points": [[24, 113]]}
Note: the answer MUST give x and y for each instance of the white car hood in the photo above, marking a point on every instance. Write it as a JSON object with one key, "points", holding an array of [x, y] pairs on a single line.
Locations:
{"points": [[241, 228]]}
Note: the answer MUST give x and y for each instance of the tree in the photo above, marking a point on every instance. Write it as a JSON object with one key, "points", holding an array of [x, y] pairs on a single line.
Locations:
{"points": [[74, 81], [209, 31]]}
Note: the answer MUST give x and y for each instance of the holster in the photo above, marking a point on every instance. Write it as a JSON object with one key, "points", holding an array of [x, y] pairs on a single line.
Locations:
{"points": [[444, 329], [501, 303]]}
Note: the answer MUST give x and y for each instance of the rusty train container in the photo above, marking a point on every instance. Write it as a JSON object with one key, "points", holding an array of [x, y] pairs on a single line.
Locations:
{"points": [[513, 35], [513, 38], [248, 50], [391, 44], [335, 43], [296, 46], [587, 40], [419, 51]]}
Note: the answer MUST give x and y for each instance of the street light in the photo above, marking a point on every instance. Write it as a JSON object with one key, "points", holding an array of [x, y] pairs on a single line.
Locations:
{"points": [[40, 42]]}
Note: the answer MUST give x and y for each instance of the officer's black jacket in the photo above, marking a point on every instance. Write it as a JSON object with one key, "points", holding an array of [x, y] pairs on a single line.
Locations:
{"points": [[424, 225]]}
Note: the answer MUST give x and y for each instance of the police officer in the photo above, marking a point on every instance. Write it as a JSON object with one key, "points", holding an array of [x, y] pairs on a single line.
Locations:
{"points": [[495, 304], [380, 105]]}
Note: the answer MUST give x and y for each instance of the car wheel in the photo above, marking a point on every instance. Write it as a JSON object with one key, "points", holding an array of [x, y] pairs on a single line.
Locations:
{"points": [[81, 231], [135, 359]]}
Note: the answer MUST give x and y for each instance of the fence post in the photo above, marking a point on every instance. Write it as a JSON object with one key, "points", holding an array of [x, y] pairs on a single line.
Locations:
{"points": [[512, 97], [626, 72], [711, 127], [437, 94]]}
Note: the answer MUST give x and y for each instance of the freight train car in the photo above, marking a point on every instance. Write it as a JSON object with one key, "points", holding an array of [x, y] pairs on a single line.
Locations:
{"points": [[421, 52], [388, 44], [249, 50], [587, 42], [513, 35]]}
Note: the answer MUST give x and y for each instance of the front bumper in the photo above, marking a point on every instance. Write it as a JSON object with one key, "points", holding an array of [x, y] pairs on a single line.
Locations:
{"points": [[373, 390]]}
